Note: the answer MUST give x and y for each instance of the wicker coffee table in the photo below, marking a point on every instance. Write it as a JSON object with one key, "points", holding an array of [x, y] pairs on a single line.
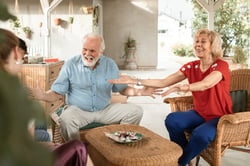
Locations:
{"points": [[152, 150]]}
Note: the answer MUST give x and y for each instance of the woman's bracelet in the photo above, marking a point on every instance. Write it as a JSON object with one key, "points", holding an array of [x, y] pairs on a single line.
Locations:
{"points": [[138, 82]]}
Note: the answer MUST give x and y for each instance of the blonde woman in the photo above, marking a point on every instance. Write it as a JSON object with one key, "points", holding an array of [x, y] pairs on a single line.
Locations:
{"points": [[209, 81]]}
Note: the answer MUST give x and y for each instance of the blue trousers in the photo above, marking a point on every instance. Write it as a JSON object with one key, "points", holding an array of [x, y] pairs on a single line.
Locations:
{"points": [[203, 133], [41, 134]]}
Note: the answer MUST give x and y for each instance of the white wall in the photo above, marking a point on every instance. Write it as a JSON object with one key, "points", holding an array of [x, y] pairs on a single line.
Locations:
{"points": [[118, 19], [122, 18]]}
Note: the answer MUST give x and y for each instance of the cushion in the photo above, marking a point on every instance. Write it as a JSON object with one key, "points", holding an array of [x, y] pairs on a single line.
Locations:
{"points": [[239, 99]]}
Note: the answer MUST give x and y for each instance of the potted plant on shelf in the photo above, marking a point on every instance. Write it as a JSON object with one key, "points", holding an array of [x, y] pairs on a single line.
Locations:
{"points": [[130, 49], [27, 31]]}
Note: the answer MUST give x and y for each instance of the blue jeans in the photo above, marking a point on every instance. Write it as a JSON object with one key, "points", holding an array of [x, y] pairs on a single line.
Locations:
{"points": [[203, 133], [41, 134]]}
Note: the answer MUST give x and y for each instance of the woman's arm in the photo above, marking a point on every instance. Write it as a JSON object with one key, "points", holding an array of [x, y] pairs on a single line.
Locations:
{"points": [[155, 83], [209, 81]]}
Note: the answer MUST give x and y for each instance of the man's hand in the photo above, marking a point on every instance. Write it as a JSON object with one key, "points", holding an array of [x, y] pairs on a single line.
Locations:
{"points": [[124, 79], [35, 93]]}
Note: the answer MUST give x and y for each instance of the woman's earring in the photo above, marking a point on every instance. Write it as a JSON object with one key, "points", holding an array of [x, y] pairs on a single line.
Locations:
{"points": [[18, 62]]}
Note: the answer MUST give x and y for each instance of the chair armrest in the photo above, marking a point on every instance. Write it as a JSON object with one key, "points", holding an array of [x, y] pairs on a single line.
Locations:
{"points": [[234, 129], [182, 103], [236, 118], [188, 99]]}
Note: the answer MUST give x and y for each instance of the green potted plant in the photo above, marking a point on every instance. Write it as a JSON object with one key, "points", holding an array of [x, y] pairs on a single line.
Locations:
{"points": [[15, 24], [130, 49], [28, 32], [131, 43], [71, 19]]}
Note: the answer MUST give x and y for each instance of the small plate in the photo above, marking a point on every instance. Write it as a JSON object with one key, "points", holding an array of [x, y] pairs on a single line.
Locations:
{"points": [[124, 136]]}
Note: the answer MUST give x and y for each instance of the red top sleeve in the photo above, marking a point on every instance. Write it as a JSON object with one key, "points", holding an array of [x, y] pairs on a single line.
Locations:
{"points": [[215, 101]]}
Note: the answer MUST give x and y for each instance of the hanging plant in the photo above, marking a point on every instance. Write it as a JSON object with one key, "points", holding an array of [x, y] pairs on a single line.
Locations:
{"points": [[96, 16], [27, 31], [71, 20], [57, 21], [15, 24], [87, 10]]}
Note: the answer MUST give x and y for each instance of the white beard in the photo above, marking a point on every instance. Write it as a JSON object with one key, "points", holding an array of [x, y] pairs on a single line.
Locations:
{"points": [[89, 63]]}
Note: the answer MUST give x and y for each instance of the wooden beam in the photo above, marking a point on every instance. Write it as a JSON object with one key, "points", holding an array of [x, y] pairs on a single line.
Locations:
{"points": [[210, 6], [47, 9]]}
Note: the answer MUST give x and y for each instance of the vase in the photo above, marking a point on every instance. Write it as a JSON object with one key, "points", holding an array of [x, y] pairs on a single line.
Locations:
{"points": [[131, 59]]}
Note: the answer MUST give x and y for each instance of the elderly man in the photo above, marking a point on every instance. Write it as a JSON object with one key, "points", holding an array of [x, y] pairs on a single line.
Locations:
{"points": [[84, 81]]}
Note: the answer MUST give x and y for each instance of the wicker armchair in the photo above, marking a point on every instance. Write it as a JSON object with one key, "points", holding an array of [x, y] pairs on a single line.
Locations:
{"points": [[232, 130]]}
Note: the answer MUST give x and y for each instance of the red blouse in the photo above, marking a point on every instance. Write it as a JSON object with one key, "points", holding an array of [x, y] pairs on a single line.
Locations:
{"points": [[215, 101]]}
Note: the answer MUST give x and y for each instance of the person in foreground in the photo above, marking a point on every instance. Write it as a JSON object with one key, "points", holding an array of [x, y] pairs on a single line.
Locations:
{"points": [[83, 79], [209, 82], [11, 58], [40, 131]]}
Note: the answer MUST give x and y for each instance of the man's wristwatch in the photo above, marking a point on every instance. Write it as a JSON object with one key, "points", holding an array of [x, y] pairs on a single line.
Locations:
{"points": [[138, 82]]}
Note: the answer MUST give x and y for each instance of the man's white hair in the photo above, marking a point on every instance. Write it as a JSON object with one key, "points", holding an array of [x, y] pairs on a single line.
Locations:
{"points": [[95, 35]]}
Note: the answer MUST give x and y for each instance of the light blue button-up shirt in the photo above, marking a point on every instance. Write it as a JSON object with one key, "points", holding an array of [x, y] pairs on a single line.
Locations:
{"points": [[85, 88]]}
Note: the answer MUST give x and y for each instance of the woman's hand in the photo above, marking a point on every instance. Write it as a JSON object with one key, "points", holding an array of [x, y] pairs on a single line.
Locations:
{"points": [[177, 88], [149, 91]]}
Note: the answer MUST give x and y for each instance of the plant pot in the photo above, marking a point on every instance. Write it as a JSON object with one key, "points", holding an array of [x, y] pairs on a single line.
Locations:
{"points": [[57, 21], [28, 34], [87, 10], [130, 59], [40, 24], [71, 20]]}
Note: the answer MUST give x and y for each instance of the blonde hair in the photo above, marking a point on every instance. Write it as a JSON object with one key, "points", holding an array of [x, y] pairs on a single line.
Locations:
{"points": [[215, 41]]}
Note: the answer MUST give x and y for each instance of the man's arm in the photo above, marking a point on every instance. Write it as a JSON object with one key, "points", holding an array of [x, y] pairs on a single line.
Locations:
{"points": [[145, 91], [48, 96]]}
